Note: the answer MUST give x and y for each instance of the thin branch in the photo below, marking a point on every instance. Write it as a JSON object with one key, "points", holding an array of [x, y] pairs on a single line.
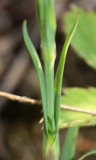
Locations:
{"points": [[76, 109], [19, 98], [38, 102]]}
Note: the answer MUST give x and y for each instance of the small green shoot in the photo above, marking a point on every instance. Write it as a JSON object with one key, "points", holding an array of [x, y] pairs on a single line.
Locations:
{"points": [[50, 93], [83, 100]]}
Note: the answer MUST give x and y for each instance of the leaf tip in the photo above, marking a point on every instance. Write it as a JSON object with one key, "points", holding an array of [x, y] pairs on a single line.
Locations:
{"points": [[24, 24]]}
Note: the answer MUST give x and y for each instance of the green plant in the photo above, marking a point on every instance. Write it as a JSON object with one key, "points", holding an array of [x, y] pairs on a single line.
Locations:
{"points": [[50, 88], [77, 106], [54, 118]]}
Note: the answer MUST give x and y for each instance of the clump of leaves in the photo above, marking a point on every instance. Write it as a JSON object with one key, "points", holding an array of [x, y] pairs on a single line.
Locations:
{"points": [[78, 106], [50, 86]]}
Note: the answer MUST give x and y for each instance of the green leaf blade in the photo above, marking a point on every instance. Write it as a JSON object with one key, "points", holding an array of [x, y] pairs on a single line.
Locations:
{"points": [[88, 154], [68, 151], [60, 70], [84, 40], [38, 67], [79, 98]]}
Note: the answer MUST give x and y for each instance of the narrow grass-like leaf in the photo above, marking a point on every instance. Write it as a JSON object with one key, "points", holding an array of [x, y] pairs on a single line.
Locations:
{"points": [[79, 98], [47, 26], [38, 67], [88, 154], [59, 72], [68, 151]]}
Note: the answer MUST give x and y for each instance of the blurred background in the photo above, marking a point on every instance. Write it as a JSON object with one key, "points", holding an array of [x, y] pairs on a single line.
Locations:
{"points": [[20, 133]]}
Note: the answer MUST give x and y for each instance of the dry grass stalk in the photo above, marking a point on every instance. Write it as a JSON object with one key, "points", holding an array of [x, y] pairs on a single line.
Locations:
{"points": [[38, 102]]}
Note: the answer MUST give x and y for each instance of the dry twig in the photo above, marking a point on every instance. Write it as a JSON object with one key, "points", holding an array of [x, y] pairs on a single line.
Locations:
{"points": [[19, 98], [38, 102]]}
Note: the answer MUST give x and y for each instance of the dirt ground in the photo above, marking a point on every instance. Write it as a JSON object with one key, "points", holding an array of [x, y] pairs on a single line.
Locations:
{"points": [[20, 132]]}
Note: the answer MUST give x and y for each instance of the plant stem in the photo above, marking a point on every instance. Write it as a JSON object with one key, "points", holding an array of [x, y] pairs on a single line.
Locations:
{"points": [[49, 80], [51, 148], [51, 141]]}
